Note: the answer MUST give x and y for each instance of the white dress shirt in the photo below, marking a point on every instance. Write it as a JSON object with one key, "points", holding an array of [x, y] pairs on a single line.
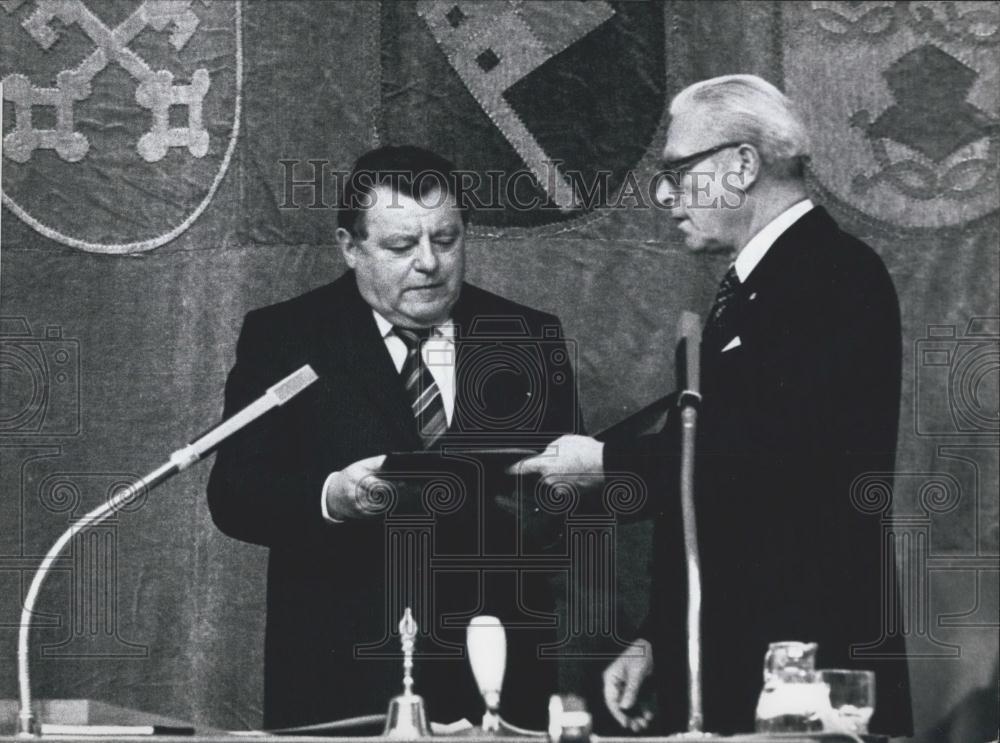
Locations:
{"points": [[438, 353], [755, 250]]}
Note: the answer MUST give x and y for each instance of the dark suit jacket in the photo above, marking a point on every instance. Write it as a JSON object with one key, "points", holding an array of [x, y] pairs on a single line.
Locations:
{"points": [[334, 599], [790, 419]]}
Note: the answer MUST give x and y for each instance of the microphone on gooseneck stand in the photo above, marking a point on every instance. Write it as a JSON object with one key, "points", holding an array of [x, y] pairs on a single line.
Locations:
{"points": [[179, 461], [487, 644]]}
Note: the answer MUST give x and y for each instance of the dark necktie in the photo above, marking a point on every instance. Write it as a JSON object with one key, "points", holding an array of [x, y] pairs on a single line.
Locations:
{"points": [[425, 397], [719, 328]]}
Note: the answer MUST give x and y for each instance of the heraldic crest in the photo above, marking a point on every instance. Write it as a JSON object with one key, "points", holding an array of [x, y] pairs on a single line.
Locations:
{"points": [[110, 109]]}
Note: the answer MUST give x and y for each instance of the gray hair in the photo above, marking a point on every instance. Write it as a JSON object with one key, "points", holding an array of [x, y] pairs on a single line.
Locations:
{"points": [[749, 108]]}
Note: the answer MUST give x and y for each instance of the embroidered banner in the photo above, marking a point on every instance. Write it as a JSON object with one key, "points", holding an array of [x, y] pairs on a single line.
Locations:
{"points": [[120, 118], [549, 104], [901, 100]]}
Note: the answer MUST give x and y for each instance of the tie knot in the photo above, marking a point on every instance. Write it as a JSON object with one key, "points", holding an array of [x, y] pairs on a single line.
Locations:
{"points": [[721, 316], [731, 280], [413, 337], [729, 287]]}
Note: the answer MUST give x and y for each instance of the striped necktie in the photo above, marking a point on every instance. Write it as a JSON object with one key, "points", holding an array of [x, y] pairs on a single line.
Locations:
{"points": [[425, 397], [720, 318]]}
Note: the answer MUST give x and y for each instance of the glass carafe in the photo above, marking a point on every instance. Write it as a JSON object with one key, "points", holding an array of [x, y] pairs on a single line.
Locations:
{"points": [[794, 698]]}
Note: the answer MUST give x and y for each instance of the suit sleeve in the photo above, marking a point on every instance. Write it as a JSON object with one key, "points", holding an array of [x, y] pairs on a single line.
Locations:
{"points": [[259, 490], [653, 461], [870, 363], [850, 381]]}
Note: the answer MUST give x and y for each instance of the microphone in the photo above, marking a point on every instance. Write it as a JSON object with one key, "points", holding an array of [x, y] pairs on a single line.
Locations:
{"points": [[487, 644], [689, 356], [179, 461], [689, 353], [277, 395]]}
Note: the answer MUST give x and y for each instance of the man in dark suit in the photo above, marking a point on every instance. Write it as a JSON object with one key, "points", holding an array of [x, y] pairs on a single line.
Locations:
{"points": [[409, 358], [800, 395]]}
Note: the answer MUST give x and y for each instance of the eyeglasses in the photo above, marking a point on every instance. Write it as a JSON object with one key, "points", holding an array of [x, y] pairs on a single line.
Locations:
{"points": [[677, 169]]}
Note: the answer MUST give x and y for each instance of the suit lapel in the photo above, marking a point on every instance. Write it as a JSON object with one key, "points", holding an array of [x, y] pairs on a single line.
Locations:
{"points": [[359, 351], [464, 315], [764, 297], [777, 267], [353, 346], [492, 383]]}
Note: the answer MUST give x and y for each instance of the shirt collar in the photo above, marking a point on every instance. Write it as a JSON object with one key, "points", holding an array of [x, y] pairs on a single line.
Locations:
{"points": [[760, 243], [445, 330]]}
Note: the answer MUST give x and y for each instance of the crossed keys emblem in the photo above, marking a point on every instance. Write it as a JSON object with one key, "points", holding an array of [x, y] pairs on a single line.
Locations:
{"points": [[155, 91]]}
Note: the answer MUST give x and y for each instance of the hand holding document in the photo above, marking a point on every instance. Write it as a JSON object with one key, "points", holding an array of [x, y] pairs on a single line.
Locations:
{"points": [[356, 491], [576, 460]]}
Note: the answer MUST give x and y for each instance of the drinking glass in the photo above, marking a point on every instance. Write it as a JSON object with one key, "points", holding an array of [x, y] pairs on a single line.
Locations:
{"points": [[852, 697]]}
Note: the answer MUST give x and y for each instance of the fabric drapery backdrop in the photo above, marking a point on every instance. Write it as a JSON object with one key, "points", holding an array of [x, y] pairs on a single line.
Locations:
{"points": [[154, 210]]}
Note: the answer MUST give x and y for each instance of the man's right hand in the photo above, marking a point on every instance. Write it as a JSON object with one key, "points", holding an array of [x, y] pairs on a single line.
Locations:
{"points": [[569, 458], [623, 680], [356, 492]]}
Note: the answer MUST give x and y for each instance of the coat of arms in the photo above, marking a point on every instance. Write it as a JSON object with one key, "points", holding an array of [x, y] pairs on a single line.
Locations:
{"points": [[548, 105], [120, 118], [901, 100]]}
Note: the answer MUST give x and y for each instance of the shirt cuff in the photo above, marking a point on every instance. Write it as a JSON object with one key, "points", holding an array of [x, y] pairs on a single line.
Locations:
{"points": [[322, 501]]}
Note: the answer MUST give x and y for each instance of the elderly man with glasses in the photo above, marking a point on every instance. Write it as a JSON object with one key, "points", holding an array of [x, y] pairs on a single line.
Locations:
{"points": [[800, 398]]}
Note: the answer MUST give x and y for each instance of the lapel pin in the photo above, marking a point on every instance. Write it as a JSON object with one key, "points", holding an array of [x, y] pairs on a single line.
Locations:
{"points": [[753, 296]]}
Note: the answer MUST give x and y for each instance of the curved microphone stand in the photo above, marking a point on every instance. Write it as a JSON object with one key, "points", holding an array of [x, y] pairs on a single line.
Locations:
{"points": [[179, 461]]}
